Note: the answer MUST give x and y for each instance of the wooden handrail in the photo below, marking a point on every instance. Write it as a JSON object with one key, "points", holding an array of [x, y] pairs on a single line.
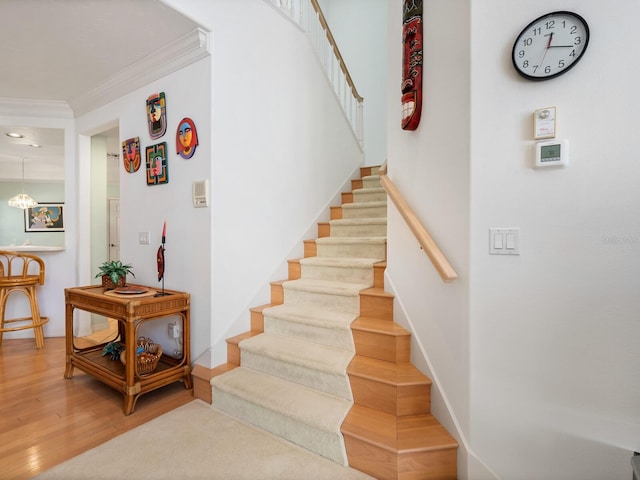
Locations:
{"points": [[439, 261], [336, 50]]}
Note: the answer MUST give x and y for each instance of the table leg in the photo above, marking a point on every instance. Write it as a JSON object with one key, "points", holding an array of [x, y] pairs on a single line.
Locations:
{"points": [[68, 371]]}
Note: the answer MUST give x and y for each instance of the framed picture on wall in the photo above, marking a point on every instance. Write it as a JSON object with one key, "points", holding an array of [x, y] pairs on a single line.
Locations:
{"points": [[44, 217]]}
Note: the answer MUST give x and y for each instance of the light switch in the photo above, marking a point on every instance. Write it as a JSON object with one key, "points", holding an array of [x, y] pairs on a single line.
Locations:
{"points": [[144, 238], [504, 241], [497, 241]]}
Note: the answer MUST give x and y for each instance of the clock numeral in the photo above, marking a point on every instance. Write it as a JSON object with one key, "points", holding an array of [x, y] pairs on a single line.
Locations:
{"points": [[550, 24], [573, 30], [527, 41], [561, 64], [577, 41], [521, 54]]}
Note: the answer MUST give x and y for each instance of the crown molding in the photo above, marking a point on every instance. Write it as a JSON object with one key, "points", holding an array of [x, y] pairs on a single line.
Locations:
{"points": [[184, 51], [35, 108]]}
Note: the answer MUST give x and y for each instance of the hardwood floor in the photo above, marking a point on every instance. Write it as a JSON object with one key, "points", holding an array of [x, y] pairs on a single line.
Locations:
{"points": [[47, 419]]}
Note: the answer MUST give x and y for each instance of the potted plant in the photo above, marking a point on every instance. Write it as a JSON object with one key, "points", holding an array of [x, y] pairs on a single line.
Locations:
{"points": [[114, 274]]}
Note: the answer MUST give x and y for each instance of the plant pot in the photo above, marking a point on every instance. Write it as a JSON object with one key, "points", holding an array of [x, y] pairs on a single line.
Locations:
{"points": [[109, 285]]}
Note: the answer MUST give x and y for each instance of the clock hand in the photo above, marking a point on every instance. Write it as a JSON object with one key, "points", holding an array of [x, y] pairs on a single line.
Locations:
{"points": [[560, 46], [550, 35], [550, 39]]}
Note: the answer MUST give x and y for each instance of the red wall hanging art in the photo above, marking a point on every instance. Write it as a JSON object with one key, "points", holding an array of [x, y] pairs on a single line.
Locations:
{"points": [[157, 165], [131, 154], [411, 64], [157, 115], [186, 138]]}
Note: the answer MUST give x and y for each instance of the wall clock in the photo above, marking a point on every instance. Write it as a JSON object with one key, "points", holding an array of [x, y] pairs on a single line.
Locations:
{"points": [[550, 45]]}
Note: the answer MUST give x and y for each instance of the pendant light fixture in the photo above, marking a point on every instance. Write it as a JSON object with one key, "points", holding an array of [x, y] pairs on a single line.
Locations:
{"points": [[22, 200]]}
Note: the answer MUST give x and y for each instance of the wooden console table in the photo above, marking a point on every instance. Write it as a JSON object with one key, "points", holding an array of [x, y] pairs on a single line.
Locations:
{"points": [[131, 311]]}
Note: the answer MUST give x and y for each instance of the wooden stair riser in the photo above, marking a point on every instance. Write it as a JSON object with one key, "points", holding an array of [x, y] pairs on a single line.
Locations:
{"points": [[294, 269], [382, 346], [347, 197], [392, 399], [385, 464], [378, 274], [277, 293], [310, 248], [324, 229], [336, 213], [376, 303]]}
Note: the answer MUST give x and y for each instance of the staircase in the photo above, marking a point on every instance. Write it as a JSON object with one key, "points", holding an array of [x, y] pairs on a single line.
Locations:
{"points": [[324, 365]]}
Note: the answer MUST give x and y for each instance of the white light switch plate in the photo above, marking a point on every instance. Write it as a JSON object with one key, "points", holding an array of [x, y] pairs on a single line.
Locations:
{"points": [[504, 241]]}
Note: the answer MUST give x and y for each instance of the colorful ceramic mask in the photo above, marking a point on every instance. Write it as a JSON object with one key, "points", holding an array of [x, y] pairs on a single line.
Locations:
{"points": [[131, 154], [157, 115], [186, 138]]}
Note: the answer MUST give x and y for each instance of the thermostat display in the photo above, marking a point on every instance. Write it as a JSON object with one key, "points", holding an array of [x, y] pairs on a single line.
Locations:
{"points": [[552, 153]]}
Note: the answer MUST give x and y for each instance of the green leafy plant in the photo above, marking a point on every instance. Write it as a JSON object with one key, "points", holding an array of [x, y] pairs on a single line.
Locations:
{"points": [[115, 270]]}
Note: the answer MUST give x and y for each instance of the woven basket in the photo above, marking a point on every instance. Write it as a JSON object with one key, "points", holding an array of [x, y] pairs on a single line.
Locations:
{"points": [[148, 359], [108, 284]]}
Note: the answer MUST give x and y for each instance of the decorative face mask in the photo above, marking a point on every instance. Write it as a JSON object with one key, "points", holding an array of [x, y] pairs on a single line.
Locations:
{"points": [[186, 138], [157, 115], [157, 166], [411, 64], [131, 154]]}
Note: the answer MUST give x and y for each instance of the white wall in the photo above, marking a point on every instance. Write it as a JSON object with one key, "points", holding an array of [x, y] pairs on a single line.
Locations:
{"points": [[555, 330], [430, 167], [281, 150], [360, 30], [144, 208], [537, 353]]}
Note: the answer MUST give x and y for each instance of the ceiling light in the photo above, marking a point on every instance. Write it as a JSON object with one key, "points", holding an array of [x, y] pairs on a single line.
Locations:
{"points": [[15, 135], [22, 200], [34, 145]]}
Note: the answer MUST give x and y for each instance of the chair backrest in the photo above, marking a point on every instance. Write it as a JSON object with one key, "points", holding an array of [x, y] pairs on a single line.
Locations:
{"points": [[21, 265]]}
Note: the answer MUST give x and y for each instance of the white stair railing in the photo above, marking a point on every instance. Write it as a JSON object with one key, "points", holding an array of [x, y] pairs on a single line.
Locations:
{"points": [[308, 15]]}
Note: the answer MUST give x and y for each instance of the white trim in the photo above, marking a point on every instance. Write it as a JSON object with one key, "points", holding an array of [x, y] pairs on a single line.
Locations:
{"points": [[184, 51], [35, 108]]}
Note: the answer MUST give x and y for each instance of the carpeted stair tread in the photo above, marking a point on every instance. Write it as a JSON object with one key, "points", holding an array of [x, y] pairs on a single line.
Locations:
{"points": [[341, 262], [311, 316], [359, 221], [305, 354], [326, 287], [321, 410], [351, 240], [369, 190], [376, 203]]}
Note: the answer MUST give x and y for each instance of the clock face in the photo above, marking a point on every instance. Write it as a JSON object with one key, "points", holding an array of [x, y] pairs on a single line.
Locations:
{"points": [[550, 45]]}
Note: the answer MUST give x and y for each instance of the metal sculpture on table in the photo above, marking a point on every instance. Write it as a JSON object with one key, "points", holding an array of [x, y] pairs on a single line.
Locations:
{"points": [[160, 259]]}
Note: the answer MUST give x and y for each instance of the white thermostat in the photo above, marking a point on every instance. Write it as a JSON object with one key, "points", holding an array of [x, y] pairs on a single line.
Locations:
{"points": [[554, 153]]}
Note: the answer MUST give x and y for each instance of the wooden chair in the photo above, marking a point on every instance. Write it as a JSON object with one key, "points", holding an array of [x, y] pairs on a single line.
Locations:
{"points": [[21, 272]]}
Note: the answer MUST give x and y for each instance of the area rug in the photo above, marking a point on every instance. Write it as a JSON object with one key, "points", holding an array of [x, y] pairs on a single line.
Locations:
{"points": [[196, 441]]}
